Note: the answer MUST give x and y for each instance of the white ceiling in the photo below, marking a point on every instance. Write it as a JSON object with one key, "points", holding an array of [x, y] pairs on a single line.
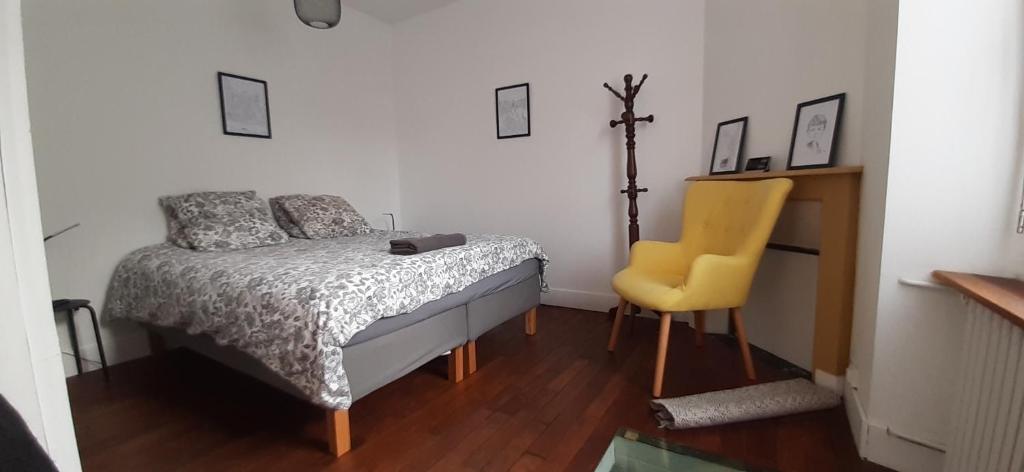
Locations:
{"points": [[393, 11]]}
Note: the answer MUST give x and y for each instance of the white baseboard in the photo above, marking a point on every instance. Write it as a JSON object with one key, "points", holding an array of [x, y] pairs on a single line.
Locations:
{"points": [[117, 349], [876, 443], [594, 301], [855, 410], [899, 454], [598, 301]]}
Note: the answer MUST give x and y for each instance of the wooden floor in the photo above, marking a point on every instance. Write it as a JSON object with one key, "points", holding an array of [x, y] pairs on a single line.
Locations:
{"points": [[548, 402]]}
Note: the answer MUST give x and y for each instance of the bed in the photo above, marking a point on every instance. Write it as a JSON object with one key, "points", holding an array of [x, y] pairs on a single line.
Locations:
{"points": [[330, 320]]}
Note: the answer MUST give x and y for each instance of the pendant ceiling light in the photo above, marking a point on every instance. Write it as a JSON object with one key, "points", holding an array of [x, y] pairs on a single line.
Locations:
{"points": [[320, 14]]}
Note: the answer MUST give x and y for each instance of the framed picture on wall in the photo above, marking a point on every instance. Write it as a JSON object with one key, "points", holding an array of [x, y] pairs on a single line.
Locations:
{"points": [[512, 111], [725, 158], [244, 107], [816, 133]]}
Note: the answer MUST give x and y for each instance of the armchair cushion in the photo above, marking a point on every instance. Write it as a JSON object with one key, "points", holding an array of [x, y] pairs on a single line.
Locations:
{"points": [[714, 282], [654, 290]]}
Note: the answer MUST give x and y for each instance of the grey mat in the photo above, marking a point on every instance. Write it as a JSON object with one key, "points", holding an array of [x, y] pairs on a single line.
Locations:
{"points": [[755, 402]]}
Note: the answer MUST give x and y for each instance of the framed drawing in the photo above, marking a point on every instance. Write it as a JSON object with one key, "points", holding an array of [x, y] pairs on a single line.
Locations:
{"points": [[816, 133], [512, 111], [725, 158], [244, 107]]}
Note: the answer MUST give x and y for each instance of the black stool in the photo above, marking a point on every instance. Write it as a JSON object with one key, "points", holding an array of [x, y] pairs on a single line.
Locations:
{"points": [[70, 307]]}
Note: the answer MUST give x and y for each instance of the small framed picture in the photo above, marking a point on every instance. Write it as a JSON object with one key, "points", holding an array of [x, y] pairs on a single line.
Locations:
{"points": [[512, 111], [244, 107], [757, 164], [816, 133], [725, 159]]}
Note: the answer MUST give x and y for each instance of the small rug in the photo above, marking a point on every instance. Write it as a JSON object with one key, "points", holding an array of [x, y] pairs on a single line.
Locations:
{"points": [[755, 402]]}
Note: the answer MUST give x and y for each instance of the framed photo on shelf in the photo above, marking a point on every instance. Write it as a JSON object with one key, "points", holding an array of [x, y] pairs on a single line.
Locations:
{"points": [[816, 133], [512, 111], [725, 158], [757, 164], [244, 107]]}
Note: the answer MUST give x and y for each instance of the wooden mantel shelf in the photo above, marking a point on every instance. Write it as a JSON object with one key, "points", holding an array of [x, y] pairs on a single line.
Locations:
{"points": [[781, 173], [1002, 295]]}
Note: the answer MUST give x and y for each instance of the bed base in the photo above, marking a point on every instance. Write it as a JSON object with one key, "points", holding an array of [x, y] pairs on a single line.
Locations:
{"points": [[466, 322], [339, 432]]}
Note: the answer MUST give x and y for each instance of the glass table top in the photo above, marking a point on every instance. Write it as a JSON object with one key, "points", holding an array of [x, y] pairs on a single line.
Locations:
{"points": [[631, 451]]}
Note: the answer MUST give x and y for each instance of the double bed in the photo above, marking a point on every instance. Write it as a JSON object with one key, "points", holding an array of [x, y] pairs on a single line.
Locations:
{"points": [[330, 320]]}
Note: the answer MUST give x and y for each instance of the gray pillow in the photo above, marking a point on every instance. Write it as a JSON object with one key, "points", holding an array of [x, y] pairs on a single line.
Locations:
{"points": [[324, 216], [221, 221], [283, 219], [175, 227]]}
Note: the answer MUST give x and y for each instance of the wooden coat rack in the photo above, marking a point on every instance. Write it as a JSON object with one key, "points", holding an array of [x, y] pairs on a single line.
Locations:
{"points": [[629, 119]]}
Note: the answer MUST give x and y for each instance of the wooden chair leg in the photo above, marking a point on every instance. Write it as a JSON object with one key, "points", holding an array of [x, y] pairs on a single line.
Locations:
{"points": [[470, 357], [339, 436], [633, 313], [741, 336], [455, 369], [698, 326], [531, 322], [617, 324], [659, 365]]}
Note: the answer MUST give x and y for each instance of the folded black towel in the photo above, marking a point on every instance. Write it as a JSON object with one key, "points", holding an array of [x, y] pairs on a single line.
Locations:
{"points": [[410, 246]]}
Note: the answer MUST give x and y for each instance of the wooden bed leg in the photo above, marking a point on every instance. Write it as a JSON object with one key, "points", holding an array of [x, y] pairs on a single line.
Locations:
{"points": [[156, 343], [470, 357], [339, 436], [455, 369], [531, 322]]}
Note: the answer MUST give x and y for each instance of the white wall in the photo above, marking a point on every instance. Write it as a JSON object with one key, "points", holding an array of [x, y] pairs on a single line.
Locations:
{"points": [[125, 108], [31, 377], [761, 60], [560, 185], [879, 65], [950, 200]]}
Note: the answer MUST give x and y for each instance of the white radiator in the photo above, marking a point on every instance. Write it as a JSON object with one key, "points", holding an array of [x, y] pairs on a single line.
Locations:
{"points": [[987, 433]]}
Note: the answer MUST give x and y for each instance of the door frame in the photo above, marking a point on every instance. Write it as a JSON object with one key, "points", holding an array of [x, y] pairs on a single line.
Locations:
{"points": [[31, 369]]}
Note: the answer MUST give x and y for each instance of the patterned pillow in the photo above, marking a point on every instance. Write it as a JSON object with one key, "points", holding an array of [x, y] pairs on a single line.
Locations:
{"points": [[283, 219], [175, 227], [220, 221], [324, 216]]}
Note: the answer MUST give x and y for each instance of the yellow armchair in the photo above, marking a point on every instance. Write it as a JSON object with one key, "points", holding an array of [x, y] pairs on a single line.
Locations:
{"points": [[726, 225]]}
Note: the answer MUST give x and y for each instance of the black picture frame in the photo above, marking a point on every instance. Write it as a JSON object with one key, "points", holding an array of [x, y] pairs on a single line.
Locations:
{"points": [[833, 141], [739, 151], [223, 106], [757, 164], [497, 111]]}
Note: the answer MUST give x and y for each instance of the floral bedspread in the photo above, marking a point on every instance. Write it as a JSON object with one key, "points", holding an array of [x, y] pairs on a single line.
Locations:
{"points": [[293, 306]]}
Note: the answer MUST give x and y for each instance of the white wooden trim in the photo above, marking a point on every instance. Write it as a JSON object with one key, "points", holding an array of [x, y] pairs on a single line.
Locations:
{"points": [[35, 384]]}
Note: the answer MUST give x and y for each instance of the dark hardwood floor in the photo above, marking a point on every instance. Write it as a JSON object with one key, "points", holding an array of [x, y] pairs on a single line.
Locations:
{"points": [[549, 402]]}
